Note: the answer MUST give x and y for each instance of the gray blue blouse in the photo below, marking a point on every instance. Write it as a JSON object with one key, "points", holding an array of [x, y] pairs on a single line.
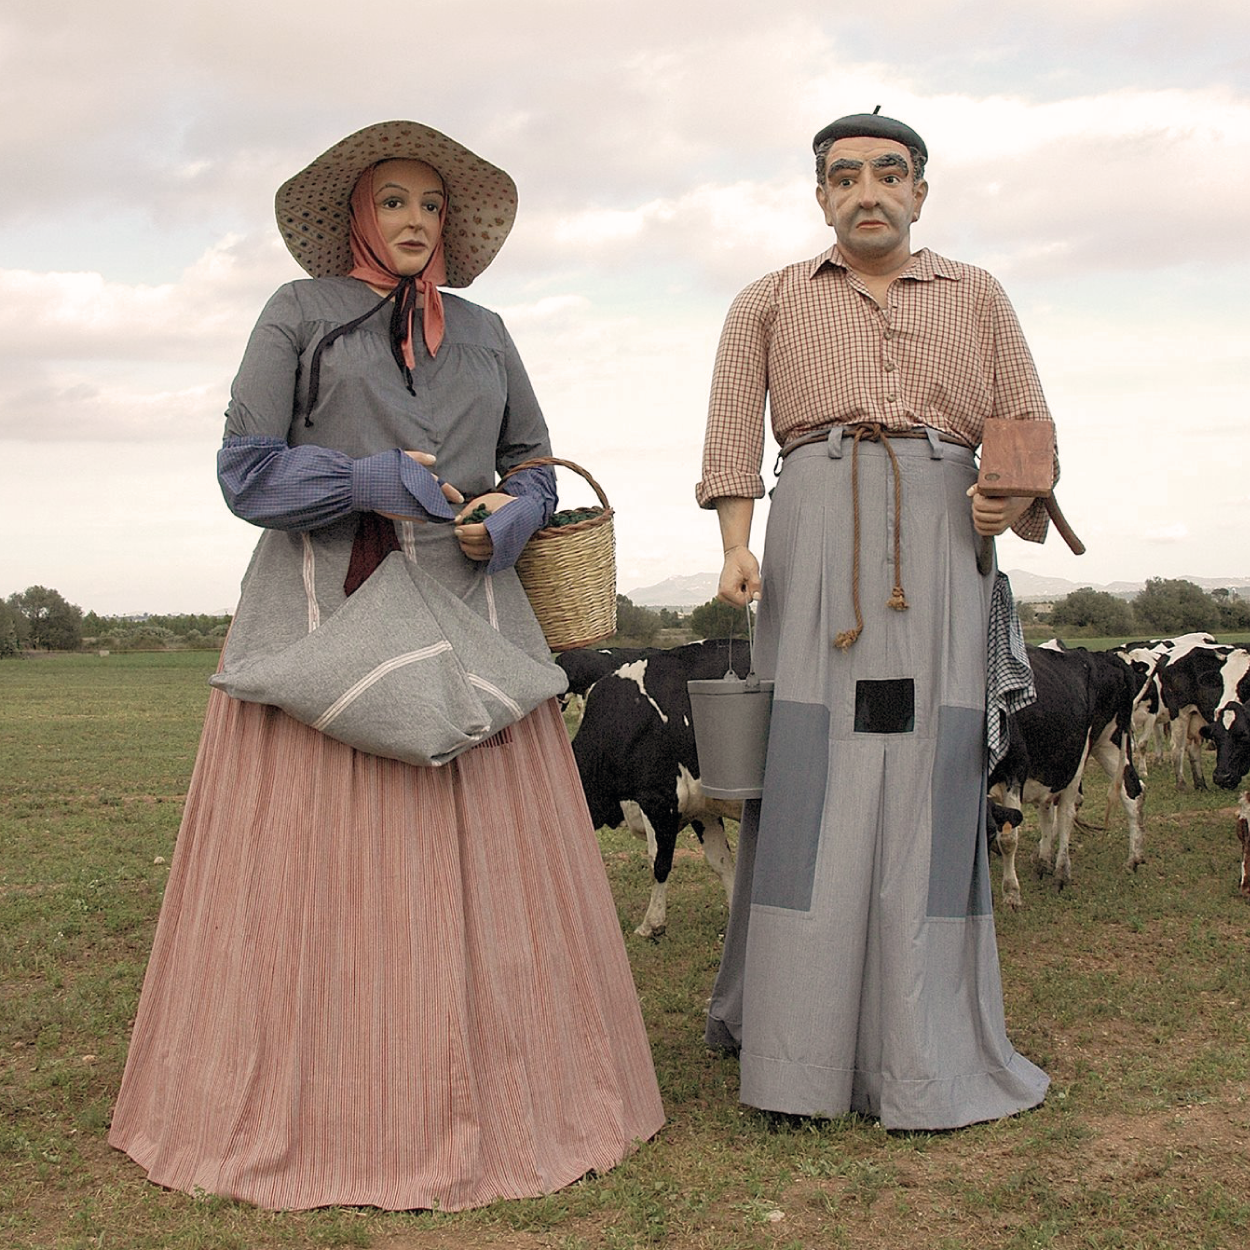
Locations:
{"points": [[283, 468]]}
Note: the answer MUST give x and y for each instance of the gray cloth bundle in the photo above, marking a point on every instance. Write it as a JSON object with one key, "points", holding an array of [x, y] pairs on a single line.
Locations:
{"points": [[403, 669]]}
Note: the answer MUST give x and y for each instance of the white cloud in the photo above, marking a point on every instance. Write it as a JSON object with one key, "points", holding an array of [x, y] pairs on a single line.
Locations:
{"points": [[1095, 156]]}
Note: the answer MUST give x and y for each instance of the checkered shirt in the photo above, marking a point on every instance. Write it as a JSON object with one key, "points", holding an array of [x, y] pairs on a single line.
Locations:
{"points": [[947, 352]]}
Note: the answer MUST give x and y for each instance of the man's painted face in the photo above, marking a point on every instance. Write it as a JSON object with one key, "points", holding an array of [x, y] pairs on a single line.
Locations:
{"points": [[870, 198]]}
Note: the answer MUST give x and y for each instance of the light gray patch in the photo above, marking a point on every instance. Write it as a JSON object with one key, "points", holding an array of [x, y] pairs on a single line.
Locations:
{"points": [[791, 811], [959, 884]]}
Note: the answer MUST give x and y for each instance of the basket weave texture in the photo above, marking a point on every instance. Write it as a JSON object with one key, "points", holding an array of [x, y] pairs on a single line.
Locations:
{"points": [[569, 571]]}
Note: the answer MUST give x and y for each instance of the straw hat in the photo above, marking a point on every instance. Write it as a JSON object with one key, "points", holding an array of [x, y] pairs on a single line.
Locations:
{"points": [[313, 214]]}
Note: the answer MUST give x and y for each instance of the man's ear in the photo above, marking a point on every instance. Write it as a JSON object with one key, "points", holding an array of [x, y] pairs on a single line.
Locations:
{"points": [[822, 198], [922, 191]]}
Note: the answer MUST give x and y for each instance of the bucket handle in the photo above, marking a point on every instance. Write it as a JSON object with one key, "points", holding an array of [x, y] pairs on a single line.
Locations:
{"points": [[751, 679]]}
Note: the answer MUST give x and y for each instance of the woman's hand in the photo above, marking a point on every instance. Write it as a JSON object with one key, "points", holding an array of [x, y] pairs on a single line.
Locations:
{"points": [[740, 577], [995, 514], [474, 540], [450, 493]]}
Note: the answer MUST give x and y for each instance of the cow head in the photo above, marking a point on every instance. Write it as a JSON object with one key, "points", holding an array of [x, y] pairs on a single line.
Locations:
{"points": [[1230, 732]]}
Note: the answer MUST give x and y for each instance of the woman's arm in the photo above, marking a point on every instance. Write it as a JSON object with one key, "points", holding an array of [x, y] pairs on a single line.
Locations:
{"points": [[269, 483]]}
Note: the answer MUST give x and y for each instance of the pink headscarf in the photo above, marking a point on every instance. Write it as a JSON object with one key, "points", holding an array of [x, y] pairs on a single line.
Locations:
{"points": [[369, 252]]}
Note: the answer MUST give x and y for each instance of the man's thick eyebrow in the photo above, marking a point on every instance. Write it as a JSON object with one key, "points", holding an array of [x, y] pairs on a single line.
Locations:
{"points": [[890, 158], [843, 162]]}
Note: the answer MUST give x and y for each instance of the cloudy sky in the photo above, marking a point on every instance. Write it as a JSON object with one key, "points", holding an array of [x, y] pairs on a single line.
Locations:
{"points": [[1093, 154]]}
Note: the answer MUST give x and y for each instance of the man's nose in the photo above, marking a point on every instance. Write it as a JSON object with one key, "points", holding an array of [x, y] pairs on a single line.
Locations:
{"points": [[866, 190]]}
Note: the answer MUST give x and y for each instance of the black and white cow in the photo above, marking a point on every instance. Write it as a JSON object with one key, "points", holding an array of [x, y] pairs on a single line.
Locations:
{"points": [[1084, 708], [636, 755], [1151, 721], [585, 665], [1193, 686], [1229, 724]]}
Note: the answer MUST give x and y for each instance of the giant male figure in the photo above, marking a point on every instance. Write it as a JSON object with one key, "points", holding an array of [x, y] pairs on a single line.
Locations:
{"points": [[860, 969]]}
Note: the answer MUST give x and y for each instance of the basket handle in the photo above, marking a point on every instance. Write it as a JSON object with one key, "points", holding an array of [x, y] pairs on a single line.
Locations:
{"points": [[539, 461]]}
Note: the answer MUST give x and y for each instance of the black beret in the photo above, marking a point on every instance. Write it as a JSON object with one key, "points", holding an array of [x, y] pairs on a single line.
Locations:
{"points": [[874, 126]]}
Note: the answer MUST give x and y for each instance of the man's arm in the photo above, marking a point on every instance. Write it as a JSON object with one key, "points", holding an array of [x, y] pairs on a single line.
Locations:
{"points": [[740, 573]]}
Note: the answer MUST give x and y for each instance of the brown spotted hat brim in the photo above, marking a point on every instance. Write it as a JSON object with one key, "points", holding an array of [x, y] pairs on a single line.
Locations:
{"points": [[313, 207]]}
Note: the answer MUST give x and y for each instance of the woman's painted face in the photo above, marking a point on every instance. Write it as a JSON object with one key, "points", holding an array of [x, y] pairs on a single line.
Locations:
{"points": [[409, 199]]}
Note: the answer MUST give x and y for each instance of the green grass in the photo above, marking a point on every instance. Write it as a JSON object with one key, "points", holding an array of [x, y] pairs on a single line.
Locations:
{"points": [[1130, 988]]}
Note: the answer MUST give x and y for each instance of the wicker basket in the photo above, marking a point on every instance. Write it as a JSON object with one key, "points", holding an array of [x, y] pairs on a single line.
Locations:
{"points": [[569, 571]]}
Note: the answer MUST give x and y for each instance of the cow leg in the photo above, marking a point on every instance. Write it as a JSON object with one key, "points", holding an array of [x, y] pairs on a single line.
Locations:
{"points": [[1008, 844], [1046, 834], [1193, 749], [1126, 785], [1007, 839], [661, 824], [1065, 817], [1133, 800], [1187, 744], [1056, 815], [1180, 736], [717, 853], [1144, 723], [655, 920], [1243, 833]]}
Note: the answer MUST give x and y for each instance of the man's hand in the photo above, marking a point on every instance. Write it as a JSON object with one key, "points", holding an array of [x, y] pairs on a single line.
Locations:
{"points": [[740, 577], [995, 514], [474, 541]]}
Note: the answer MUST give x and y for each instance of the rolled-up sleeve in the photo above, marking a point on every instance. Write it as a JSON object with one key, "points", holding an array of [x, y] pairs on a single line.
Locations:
{"points": [[733, 447]]}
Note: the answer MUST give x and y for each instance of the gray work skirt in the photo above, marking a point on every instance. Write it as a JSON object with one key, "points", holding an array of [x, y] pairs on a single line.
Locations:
{"points": [[860, 970]]}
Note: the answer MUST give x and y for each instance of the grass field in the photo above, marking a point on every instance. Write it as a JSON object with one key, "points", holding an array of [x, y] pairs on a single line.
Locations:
{"points": [[1130, 989]]}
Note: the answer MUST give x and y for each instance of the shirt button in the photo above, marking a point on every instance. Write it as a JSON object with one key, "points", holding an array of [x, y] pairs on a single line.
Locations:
{"points": [[889, 366], [889, 399]]}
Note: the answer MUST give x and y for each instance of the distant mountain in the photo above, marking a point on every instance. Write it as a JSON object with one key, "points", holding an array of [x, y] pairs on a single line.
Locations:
{"points": [[1034, 586], [688, 591], [692, 589]]}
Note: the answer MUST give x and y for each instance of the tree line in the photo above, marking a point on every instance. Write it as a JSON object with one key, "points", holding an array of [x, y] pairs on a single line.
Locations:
{"points": [[1165, 608], [40, 619]]}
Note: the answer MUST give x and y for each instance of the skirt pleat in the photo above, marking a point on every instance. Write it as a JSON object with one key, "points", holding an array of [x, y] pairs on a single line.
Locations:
{"points": [[375, 984]]}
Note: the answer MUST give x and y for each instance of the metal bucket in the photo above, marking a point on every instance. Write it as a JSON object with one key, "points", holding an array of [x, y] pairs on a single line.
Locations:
{"points": [[730, 716]]}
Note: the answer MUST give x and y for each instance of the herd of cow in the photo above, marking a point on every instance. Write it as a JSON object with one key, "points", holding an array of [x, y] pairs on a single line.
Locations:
{"points": [[1142, 703]]}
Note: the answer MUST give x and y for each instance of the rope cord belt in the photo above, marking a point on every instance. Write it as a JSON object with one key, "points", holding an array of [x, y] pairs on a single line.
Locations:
{"points": [[897, 600], [873, 432]]}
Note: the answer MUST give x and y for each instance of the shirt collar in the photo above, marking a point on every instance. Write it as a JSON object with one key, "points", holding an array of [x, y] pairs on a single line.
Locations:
{"points": [[924, 265]]}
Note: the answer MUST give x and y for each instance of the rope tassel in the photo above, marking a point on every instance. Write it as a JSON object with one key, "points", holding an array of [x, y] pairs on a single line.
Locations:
{"points": [[897, 601]]}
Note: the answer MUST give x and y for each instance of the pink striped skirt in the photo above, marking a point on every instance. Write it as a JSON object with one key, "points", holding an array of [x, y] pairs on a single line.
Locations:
{"points": [[374, 984]]}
